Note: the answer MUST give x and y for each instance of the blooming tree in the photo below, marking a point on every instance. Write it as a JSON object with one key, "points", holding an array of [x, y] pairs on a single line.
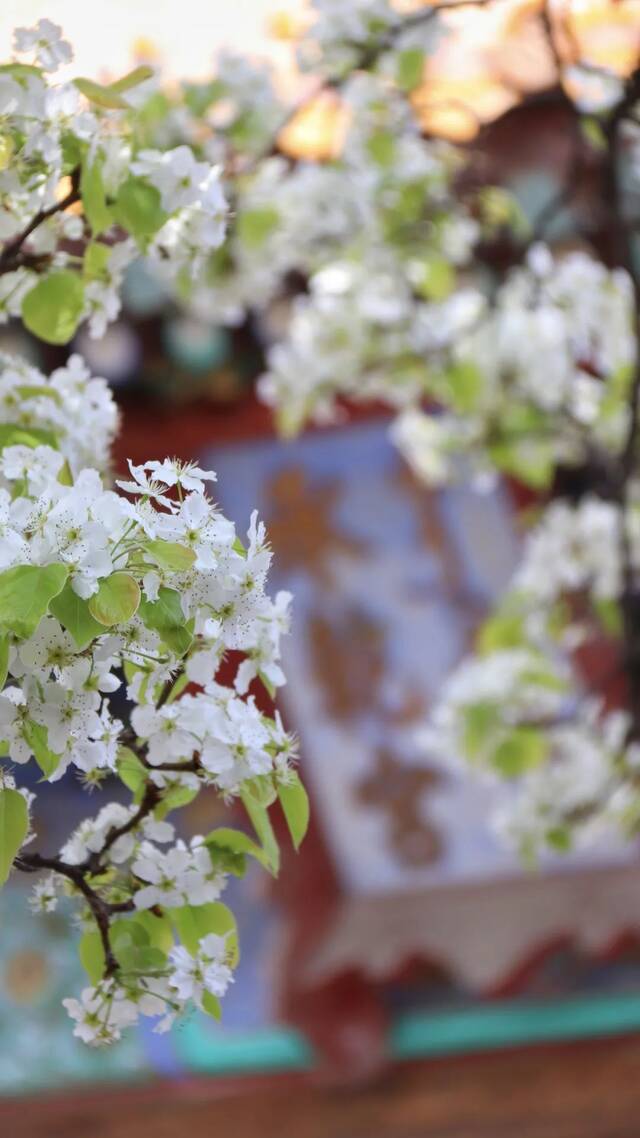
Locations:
{"points": [[531, 373], [386, 269], [375, 270], [142, 586]]}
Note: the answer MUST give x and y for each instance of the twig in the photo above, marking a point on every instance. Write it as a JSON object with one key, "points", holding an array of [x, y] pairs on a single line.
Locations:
{"points": [[101, 910], [12, 257]]}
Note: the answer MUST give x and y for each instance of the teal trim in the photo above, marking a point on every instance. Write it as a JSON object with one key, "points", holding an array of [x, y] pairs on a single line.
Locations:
{"points": [[512, 1023], [418, 1034], [222, 1052]]}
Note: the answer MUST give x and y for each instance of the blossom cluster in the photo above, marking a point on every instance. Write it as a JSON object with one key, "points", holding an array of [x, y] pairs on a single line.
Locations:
{"points": [[81, 196], [105, 1010], [525, 709], [144, 589]]}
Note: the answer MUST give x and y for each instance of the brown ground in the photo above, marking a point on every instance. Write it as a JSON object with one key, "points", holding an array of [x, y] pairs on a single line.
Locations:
{"points": [[586, 1090]]}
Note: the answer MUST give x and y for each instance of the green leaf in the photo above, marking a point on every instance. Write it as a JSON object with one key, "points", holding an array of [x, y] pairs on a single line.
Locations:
{"points": [[481, 721], [141, 960], [465, 385], [138, 209], [531, 462], [73, 613], [211, 1005], [158, 930], [171, 555], [13, 435], [65, 477], [193, 922], [261, 822], [14, 826], [96, 261], [295, 805], [133, 947], [262, 789], [382, 148], [229, 849], [91, 955], [270, 688], [102, 96], [609, 614], [410, 68], [73, 151], [523, 749], [174, 798], [255, 226], [503, 630], [593, 132], [131, 771], [116, 600], [165, 616], [129, 932], [436, 279], [20, 71], [94, 197], [5, 645], [26, 592], [7, 148], [37, 737], [559, 839], [53, 309], [132, 79], [39, 391]]}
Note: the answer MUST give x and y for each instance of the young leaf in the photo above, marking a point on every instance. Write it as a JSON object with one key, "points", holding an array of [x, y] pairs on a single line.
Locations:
{"points": [[7, 148], [410, 68], [295, 805], [37, 737], [26, 592], [255, 225], [173, 799], [96, 261], [91, 955], [5, 644], [138, 209], [73, 613], [229, 848], [117, 599], [158, 930], [261, 822], [132, 79], [523, 749], [94, 198], [132, 772], [211, 1005], [12, 435], [193, 922], [481, 722], [39, 391], [101, 96], [14, 826], [165, 616], [53, 309], [171, 555], [503, 630]]}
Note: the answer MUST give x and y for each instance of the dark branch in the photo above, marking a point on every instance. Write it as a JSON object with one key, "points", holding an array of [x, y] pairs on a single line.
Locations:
{"points": [[12, 256], [77, 874]]}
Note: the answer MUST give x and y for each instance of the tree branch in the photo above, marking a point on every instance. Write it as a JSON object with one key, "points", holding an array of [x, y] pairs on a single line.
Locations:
{"points": [[12, 256], [77, 874]]}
